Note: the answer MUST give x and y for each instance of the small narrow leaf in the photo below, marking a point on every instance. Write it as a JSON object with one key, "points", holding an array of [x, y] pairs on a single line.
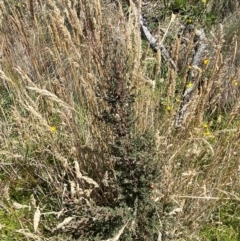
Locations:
{"points": [[28, 235], [64, 222], [19, 205], [36, 219], [118, 235]]}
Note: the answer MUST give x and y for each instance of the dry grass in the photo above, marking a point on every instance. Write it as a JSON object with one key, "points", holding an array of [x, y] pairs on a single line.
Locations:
{"points": [[57, 64]]}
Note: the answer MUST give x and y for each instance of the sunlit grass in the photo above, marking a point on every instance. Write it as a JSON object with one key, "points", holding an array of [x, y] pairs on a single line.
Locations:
{"points": [[71, 78]]}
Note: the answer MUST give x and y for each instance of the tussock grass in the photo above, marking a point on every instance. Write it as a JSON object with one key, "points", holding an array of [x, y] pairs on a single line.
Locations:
{"points": [[88, 141]]}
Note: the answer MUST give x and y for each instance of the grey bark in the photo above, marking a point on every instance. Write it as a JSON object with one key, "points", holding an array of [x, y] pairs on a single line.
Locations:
{"points": [[196, 62]]}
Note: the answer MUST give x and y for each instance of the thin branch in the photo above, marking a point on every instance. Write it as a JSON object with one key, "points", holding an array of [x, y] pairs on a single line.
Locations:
{"points": [[154, 43]]}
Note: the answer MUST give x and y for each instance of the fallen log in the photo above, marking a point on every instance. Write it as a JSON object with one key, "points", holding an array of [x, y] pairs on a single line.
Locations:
{"points": [[200, 42], [200, 49], [154, 43]]}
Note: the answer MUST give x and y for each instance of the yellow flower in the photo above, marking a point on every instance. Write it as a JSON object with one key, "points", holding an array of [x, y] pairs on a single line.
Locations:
{"points": [[204, 1], [235, 82], [53, 128], [168, 107], [189, 85], [189, 21], [207, 133], [205, 61], [205, 125]]}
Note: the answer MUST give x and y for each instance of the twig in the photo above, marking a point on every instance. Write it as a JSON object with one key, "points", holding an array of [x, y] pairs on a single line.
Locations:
{"points": [[154, 43], [205, 197]]}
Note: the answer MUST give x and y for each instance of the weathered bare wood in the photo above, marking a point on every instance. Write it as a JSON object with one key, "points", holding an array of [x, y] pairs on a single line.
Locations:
{"points": [[154, 43], [196, 62]]}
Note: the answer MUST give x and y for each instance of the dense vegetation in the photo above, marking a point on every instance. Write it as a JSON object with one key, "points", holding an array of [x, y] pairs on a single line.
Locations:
{"points": [[89, 146]]}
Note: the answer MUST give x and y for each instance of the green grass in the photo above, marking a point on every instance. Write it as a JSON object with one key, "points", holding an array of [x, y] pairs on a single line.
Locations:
{"points": [[11, 222], [220, 233]]}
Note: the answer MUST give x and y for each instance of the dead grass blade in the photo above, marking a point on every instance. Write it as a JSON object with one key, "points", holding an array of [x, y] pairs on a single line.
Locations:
{"points": [[36, 219]]}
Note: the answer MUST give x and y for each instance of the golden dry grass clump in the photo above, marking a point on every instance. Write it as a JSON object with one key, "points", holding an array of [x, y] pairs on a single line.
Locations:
{"points": [[88, 140]]}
